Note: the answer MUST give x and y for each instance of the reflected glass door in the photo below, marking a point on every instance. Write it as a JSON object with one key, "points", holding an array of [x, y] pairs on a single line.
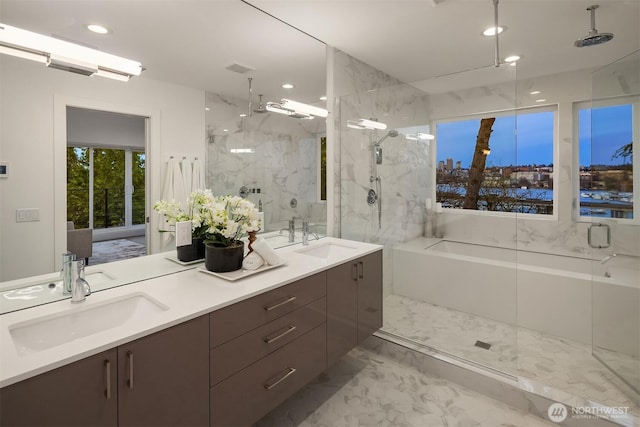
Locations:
{"points": [[615, 124], [105, 187], [108, 188]]}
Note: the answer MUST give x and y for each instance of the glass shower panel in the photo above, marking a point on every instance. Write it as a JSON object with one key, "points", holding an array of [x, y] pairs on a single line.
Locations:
{"points": [[615, 125], [450, 273]]}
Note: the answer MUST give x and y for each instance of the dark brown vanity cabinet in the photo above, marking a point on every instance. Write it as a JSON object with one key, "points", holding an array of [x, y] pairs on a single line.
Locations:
{"points": [[266, 348], [161, 379], [228, 368], [80, 394], [354, 304]]}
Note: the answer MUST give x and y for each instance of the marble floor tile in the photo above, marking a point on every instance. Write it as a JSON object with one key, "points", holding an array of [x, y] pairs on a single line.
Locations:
{"points": [[561, 364], [369, 389]]}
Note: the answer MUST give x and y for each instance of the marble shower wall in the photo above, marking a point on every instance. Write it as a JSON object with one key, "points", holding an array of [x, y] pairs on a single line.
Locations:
{"points": [[282, 160], [408, 169], [364, 92]]}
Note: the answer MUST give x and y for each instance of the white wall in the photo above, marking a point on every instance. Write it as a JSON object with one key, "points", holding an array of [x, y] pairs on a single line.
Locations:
{"points": [[33, 128], [104, 129]]}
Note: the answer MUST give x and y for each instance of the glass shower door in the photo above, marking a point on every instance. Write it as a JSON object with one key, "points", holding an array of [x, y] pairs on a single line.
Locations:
{"points": [[615, 124]]}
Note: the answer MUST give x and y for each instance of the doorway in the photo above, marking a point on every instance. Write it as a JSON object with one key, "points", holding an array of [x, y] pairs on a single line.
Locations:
{"points": [[106, 170]]}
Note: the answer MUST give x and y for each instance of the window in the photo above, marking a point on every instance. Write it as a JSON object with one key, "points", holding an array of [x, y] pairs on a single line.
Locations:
{"points": [[105, 187], [516, 175], [605, 135]]}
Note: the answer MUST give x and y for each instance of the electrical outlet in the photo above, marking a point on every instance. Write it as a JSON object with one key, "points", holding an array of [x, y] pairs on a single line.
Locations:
{"points": [[27, 215]]}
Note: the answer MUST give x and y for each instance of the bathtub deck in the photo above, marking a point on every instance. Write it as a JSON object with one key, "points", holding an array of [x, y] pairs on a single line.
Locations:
{"points": [[559, 363]]}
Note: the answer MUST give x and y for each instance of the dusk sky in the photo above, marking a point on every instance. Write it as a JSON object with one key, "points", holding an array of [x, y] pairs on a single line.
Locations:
{"points": [[457, 140], [612, 128]]}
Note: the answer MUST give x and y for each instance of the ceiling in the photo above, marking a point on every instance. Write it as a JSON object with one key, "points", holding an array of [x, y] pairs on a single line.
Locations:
{"points": [[190, 42]]}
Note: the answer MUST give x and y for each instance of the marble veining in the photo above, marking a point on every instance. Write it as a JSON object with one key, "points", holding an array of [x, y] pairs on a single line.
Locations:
{"points": [[369, 389], [562, 367], [281, 159]]}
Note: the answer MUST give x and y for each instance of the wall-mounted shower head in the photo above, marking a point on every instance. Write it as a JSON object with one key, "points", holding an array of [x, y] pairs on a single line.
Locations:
{"points": [[593, 38], [392, 133]]}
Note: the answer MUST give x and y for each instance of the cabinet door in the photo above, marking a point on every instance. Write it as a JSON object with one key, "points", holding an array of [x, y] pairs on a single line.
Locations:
{"points": [[369, 295], [342, 310], [163, 379], [83, 393]]}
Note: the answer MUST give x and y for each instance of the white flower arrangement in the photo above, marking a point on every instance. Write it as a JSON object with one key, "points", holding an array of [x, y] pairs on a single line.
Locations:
{"points": [[219, 219], [197, 203], [228, 218]]}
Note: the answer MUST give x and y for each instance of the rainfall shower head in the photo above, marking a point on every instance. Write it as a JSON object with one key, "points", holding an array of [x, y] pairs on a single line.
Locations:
{"points": [[392, 133], [593, 38]]}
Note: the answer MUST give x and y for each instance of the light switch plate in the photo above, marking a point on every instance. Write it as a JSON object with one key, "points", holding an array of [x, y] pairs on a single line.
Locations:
{"points": [[183, 233]]}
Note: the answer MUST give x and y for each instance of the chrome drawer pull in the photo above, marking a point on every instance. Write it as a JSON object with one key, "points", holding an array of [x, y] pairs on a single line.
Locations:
{"points": [[290, 329], [130, 380], [280, 304], [284, 377], [107, 374]]}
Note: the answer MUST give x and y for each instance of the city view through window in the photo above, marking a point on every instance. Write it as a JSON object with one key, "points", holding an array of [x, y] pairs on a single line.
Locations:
{"points": [[518, 174], [516, 178], [606, 161]]}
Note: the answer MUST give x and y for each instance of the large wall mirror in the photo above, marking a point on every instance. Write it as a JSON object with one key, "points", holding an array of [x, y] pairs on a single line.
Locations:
{"points": [[199, 58]]}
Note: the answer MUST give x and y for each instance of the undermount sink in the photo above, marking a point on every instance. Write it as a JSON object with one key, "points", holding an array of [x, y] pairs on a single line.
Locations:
{"points": [[49, 331], [327, 250]]}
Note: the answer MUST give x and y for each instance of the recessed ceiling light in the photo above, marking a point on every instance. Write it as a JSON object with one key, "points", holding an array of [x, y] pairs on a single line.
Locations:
{"points": [[323, 98], [512, 58], [99, 29], [540, 100], [287, 86], [534, 92], [225, 130], [243, 115], [491, 31], [207, 108]]}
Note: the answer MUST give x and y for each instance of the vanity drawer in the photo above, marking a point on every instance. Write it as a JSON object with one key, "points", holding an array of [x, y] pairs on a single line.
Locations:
{"points": [[237, 319], [250, 394], [232, 356]]}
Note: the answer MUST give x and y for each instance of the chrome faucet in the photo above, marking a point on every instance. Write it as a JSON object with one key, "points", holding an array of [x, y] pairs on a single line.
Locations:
{"points": [[67, 272], [80, 288], [306, 232], [291, 229]]}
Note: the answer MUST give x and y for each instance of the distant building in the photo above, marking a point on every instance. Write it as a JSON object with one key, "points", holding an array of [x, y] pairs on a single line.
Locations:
{"points": [[449, 164], [458, 165]]}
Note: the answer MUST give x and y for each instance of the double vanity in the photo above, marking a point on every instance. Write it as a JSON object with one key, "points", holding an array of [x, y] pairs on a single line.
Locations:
{"points": [[189, 348]]}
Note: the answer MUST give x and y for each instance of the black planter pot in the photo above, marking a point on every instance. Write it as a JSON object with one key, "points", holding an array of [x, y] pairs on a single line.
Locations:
{"points": [[191, 252], [221, 259]]}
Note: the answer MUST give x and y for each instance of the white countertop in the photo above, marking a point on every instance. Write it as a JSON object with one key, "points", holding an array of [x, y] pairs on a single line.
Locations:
{"points": [[187, 294]]}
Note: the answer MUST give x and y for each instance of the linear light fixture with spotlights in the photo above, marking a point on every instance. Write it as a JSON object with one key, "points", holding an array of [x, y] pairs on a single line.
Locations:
{"points": [[296, 110], [64, 55], [366, 124]]}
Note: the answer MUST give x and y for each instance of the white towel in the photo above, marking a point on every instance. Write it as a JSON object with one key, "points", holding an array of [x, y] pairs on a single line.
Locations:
{"points": [[167, 194], [197, 182], [266, 252], [187, 176], [252, 261], [179, 193]]}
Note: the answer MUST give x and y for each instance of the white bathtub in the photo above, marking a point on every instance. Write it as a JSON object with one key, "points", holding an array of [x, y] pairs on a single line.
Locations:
{"points": [[543, 292]]}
